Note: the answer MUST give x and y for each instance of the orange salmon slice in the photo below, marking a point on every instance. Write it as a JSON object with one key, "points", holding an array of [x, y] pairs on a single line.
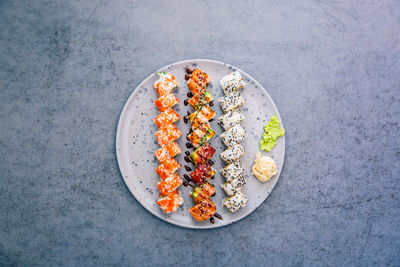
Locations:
{"points": [[167, 117], [169, 184], [166, 101], [167, 134], [170, 150], [171, 202], [167, 168]]}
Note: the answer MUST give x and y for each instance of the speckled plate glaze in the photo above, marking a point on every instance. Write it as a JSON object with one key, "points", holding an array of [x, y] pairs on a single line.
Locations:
{"points": [[136, 143]]}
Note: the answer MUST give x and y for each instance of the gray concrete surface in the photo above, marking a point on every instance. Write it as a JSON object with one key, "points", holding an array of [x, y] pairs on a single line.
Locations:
{"points": [[332, 67]]}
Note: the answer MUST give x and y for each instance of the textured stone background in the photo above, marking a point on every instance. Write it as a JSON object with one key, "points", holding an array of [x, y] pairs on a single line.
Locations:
{"points": [[332, 67]]}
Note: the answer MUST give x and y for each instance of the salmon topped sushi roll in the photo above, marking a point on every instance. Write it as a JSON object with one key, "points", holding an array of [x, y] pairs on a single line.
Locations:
{"points": [[166, 101], [200, 77], [165, 118], [171, 202], [203, 115], [167, 168], [203, 210], [202, 192], [195, 88], [169, 184], [197, 100], [167, 134], [170, 150], [165, 84], [197, 119], [198, 82], [198, 133]]}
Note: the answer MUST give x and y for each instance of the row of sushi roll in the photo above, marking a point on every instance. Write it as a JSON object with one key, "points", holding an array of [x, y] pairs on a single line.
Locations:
{"points": [[167, 134], [232, 137], [199, 135]]}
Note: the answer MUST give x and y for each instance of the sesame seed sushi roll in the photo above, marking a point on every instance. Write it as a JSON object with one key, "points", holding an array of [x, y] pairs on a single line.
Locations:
{"points": [[231, 101], [167, 168], [171, 202], [165, 118], [235, 202], [169, 184], [233, 170], [234, 185], [166, 101], [232, 153], [233, 136], [232, 82], [231, 118], [167, 134], [170, 150], [165, 84]]}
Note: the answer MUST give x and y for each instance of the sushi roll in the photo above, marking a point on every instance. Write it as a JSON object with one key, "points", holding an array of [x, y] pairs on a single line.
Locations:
{"points": [[231, 101], [198, 133], [200, 77], [197, 119], [210, 133], [235, 202], [165, 118], [198, 82], [233, 136], [231, 118], [169, 184], [202, 100], [232, 82], [234, 185], [167, 168], [233, 170], [202, 155], [202, 192], [165, 84], [166, 101], [167, 134], [202, 173], [201, 116], [171, 202], [203, 210], [170, 150], [232, 153]]}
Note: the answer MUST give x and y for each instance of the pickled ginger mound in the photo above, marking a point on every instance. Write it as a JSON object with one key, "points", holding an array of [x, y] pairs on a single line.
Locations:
{"points": [[264, 168], [271, 133]]}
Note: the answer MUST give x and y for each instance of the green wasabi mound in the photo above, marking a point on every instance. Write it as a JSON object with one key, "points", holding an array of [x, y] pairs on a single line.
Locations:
{"points": [[271, 132]]}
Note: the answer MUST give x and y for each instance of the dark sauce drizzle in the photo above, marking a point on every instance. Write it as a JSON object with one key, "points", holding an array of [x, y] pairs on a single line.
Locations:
{"points": [[187, 177], [189, 145], [218, 216], [187, 168]]}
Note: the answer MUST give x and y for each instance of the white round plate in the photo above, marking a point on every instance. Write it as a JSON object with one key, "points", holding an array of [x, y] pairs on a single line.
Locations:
{"points": [[136, 143]]}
